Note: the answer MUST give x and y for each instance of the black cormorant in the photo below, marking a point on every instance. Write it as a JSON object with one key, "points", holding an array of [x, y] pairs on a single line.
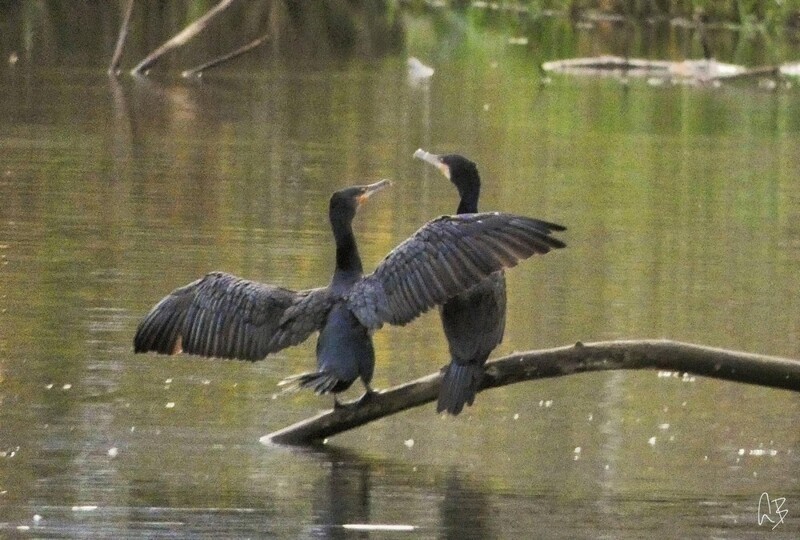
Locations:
{"points": [[474, 320], [225, 316]]}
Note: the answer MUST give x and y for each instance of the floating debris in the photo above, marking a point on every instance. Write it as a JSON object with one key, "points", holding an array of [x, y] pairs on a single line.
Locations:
{"points": [[112, 452], [9, 453], [417, 71], [758, 452], [170, 405], [377, 527], [409, 443], [651, 441], [683, 376], [85, 508], [767, 84]]}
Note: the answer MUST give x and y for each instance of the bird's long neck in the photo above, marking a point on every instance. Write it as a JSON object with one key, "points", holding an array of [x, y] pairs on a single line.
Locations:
{"points": [[469, 200], [348, 261]]}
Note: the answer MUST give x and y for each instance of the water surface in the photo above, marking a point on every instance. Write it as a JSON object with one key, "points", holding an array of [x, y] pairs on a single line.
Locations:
{"points": [[682, 206]]}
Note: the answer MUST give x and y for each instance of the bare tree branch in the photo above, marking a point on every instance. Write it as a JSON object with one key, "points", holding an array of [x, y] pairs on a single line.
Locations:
{"points": [[123, 35], [226, 57], [181, 37], [711, 362]]}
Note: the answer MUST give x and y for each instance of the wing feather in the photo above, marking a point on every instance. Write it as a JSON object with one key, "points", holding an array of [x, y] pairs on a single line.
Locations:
{"points": [[445, 257], [225, 316]]}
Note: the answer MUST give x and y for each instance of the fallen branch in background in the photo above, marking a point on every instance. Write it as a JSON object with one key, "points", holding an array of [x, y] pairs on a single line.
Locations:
{"points": [[194, 72], [711, 362], [182, 37], [123, 35]]}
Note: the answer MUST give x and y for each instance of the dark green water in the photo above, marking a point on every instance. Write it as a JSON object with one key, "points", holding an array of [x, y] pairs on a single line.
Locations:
{"points": [[683, 208]]}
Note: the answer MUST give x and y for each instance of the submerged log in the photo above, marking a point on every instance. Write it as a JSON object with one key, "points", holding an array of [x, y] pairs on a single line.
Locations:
{"points": [[685, 71], [608, 65], [769, 371]]}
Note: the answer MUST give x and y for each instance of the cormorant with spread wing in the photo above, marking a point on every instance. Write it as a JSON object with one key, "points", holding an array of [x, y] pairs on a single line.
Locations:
{"points": [[474, 320], [222, 315]]}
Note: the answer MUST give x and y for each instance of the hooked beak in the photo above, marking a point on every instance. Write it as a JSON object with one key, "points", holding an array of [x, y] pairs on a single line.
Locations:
{"points": [[371, 189], [434, 160]]}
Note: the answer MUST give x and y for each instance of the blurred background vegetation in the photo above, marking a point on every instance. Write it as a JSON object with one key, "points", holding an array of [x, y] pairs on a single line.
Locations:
{"points": [[49, 31]]}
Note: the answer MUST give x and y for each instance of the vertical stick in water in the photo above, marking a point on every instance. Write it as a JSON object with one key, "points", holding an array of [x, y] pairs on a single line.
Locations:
{"points": [[123, 34]]}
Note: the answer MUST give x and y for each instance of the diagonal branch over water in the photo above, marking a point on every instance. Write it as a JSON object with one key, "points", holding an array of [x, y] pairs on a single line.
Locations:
{"points": [[181, 37], [196, 71], [769, 371]]}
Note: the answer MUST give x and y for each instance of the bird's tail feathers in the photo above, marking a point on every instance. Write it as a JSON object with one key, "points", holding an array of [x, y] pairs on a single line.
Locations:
{"points": [[459, 386], [321, 382]]}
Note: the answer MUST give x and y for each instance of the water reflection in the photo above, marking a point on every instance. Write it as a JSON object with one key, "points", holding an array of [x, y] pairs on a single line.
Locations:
{"points": [[464, 509], [342, 496], [353, 493]]}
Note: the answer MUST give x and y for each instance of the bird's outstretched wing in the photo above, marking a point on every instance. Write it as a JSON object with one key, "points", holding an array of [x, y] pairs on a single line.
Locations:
{"points": [[229, 317], [445, 257]]}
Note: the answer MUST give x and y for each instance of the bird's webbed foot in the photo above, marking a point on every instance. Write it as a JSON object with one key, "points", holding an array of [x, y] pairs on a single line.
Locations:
{"points": [[368, 397]]}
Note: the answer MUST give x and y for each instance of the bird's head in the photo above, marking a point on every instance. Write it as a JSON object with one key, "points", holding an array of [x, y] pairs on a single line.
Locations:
{"points": [[345, 202], [462, 172]]}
